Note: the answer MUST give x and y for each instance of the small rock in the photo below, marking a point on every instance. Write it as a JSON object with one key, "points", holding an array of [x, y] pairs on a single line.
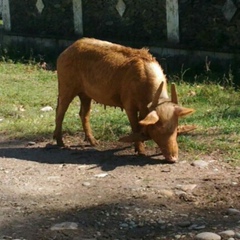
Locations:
{"points": [[46, 109], [166, 193], [82, 166], [200, 163], [86, 184], [65, 226], [184, 224], [183, 215], [124, 225], [161, 222], [197, 227], [237, 235], [207, 236], [233, 211], [132, 224], [228, 233], [178, 236], [101, 175], [141, 224], [186, 187], [31, 143], [180, 193]]}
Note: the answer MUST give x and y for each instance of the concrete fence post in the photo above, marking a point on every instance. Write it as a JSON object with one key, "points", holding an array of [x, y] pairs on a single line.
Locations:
{"points": [[1, 7], [6, 15], [78, 17], [172, 12]]}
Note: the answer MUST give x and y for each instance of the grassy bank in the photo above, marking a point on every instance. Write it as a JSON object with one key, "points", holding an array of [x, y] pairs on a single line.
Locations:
{"points": [[26, 88]]}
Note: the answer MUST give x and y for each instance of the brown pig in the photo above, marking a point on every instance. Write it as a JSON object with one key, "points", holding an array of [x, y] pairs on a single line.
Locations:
{"points": [[119, 76]]}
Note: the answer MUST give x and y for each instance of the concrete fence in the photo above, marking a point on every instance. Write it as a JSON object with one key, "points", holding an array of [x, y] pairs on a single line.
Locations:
{"points": [[197, 24], [1, 7], [168, 27]]}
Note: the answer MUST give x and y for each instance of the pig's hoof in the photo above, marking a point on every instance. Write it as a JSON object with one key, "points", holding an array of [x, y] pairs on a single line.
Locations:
{"points": [[96, 143], [141, 153], [93, 142], [60, 144], [171, 161]]}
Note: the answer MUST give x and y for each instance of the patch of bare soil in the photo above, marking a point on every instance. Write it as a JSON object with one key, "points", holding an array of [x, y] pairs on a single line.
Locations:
{"points": [[110, 193]]}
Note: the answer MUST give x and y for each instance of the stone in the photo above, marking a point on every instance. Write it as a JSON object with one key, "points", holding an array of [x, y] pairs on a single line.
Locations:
{"points": [[186, 187], [184, 224], [65, 226], [124, 225], [180, 193], [208, 236], [161, 222], [132, 224], [197, 227], [237, 235], [46, 109], [86, 184], [166, 192], [228, 233], [178, 236], [200, 163], [101, 175], [233, 211]]}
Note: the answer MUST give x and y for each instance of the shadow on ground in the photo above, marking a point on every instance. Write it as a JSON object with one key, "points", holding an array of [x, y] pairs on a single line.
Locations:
{"points": [[113, 210], [120, 220], [107, 160]]}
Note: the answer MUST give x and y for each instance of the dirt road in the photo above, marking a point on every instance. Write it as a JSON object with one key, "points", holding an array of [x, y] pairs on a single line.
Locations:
{"points": [[110, 193]]}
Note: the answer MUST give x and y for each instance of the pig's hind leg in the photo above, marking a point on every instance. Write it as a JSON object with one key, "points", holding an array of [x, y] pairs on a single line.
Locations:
{"points": [[84, 115], [62, 106]]}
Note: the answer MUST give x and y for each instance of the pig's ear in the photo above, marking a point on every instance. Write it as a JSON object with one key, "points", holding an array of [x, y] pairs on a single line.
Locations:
{"points": [[134, 137], [151, 118], [182, 112]]}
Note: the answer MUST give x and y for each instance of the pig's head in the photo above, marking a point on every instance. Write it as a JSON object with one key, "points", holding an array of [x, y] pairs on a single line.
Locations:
{"points": [[161, 123]]}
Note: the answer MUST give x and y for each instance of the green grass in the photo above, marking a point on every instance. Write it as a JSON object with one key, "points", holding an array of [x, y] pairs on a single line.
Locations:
{"points": [[217, 117], [26, 88]]}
